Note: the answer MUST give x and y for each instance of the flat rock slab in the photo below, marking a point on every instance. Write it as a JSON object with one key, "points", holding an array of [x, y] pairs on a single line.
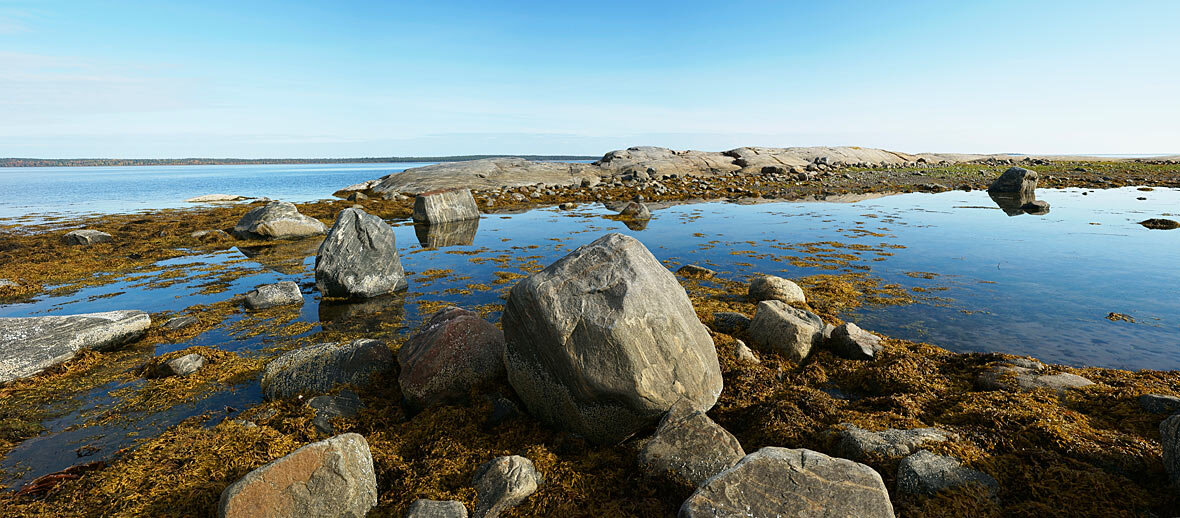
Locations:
{"points": [[333, 478], [318, 368], [211, 198], [359, 258], [1026, 375], [277, 220], [445, 206], [781, 482], [926, 473], [86, 237], [859, 444], [284, 293], [32, 344], [490, 173]]}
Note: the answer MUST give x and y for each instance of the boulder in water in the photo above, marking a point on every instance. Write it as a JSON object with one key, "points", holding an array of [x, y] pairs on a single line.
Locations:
{"points": [[445, 205], [358, 258], [277, 220]]}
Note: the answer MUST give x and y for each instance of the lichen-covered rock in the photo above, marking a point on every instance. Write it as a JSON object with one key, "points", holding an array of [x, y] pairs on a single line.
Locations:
{"points": [[452, 352], [358, 258], [273, 295], [688, 448], [86, 237], [423, 508], [277, 220], [788, 331], [850, 341], [859, 444], [769, 287], [503, 483], [1170, 441], [444, 206], [1025, 375], [29, 345], [604, 341], [926, 473], [1016, 180], [327, 479], [316, 369], [780, 482]]}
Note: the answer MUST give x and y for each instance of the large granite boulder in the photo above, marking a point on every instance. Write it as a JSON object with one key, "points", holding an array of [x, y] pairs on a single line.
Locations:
{"points": [[859, 444], [267, 296], [86, 237], [925, 473], [688, 448], [776, 482], [604, 341], [445, 206], [1016, 180], [333, 478], [318, 368], [277, 220], [503, 483], [452, 352], [358, 258], [30, 345], [770, 287], [788, 331]]}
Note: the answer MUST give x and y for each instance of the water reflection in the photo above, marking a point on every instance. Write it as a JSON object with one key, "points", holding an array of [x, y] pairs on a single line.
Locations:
{"points": [[283, 256], [1015, 204], [368, 315], [454, 233]]}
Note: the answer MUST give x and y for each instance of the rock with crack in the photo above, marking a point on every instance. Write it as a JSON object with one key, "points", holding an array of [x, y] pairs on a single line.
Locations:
{"points": [[1025, 375], [333, 478], [769, 287], [423, 508], [605, 340], [925, 473], [454, 351], [773, 482], [358, 258], [785, 330], [850, 341], [503, 483], [86, 237], [273, 295], [688, 448], [316, 369], [277, 220], [445, 206], [32, 344], [859, 444]]}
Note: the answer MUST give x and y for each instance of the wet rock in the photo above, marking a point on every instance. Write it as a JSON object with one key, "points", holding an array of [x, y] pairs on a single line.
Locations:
{"points": [[503, 483], [358, 258], [850, 341], [273, 295], [209, 236], [924, 473], [1159, 403], [769, 287], [1015, 180], [688, 448], [635, 210], [744, 353], [1160, 224], [346, 404], [184, 365], [773, 482], [181, 322], [692, 270], [785, 330], [1025, 375], [330, 478], [86, 237], [455, 233], [444, 206], [452, 352], [859, 444], [728, 322], [29, 345], [277, 220], [604, 341], [423, 508], [1170, 441], [318, 368]]}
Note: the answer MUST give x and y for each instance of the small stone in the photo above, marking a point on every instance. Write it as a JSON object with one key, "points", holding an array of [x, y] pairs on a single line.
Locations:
{"points": [[850, 341], [185, 365], [1159, 403], [423, 508], [769, 287], [744, 353], [688, 448], [86, 237], [568, 206], [925, 473], [181, 322], [692, 270], [503, 483], [729, 322], [272, 295], [788, 331]]}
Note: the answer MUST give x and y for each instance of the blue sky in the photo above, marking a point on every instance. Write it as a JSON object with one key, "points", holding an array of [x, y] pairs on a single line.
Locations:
{"points": [[332, 79]]}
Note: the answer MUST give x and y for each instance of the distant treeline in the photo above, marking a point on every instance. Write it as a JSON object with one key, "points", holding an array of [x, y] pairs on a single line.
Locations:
{"points": [[122, 162]]}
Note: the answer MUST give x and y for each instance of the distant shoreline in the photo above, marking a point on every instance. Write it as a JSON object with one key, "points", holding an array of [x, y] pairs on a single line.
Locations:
{"points": [[130, 162]]}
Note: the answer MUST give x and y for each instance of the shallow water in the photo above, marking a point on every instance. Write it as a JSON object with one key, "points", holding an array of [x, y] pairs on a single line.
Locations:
{"points": [[985, 281]]}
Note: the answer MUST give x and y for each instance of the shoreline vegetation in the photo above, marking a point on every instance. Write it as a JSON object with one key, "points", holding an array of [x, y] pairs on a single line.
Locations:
{"points": [[1088, 451], [136, 162]]}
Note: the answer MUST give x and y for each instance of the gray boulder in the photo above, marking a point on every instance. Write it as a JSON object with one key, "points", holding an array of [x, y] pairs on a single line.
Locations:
{"points": [[779, 482], [688, 448], [729, 322], [333, 478], [273, 295], [358, 258], [604, 341], [1017, 180], [1025, 375], [86, 237], [769, 287], [345, 404], [859, 444], [184, 365], [850, 341], [503, 483], [181, 322], [1170, 441], [1159, 403], [423, 508], [452, 352], [318, 368], [30, 345], [445, 206], [788, 331], [277, 220], [925, 473], [635, 210]]}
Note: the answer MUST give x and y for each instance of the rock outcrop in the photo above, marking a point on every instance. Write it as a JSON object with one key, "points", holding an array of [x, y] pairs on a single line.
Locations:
{"points": [[445, 206], [788, 331], [1025, 375], [273, 295], [454, 351], [358, 258], [29, 345], [604, 341], [318, 368], [688, 448], [484, 174], [277, 220], [333, 478]]}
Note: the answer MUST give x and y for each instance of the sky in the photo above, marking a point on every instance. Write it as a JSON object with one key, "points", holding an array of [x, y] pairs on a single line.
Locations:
{"points": [[260, 78]]}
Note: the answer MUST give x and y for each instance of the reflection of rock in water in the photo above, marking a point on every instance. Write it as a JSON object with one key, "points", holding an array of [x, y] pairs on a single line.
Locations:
{"points": [[636, 224], [366, 315], [283, 257], [1015, 204], [454, 233]]}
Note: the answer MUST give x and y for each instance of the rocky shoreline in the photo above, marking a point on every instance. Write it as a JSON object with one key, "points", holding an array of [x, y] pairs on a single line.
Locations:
{"points": [[611, 386]]}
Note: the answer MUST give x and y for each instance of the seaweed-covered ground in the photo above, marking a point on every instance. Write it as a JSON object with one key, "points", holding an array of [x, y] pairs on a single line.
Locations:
{"points": [[1091, 452]]}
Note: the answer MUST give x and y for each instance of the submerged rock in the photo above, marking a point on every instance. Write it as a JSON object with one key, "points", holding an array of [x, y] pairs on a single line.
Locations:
{"points": [[318, 368], [788, 331], [86, 237], [29, 345], [423, 508], [688, 448], [277, 220], [1160, 224], [769, 287], [328, 479], [773, 482], [850, 341], [925, 473], [452, 352], [859, 444], [273, 295], [358, 258], [1016, 180], [503, 483], [445, 206], [604, 341]]}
